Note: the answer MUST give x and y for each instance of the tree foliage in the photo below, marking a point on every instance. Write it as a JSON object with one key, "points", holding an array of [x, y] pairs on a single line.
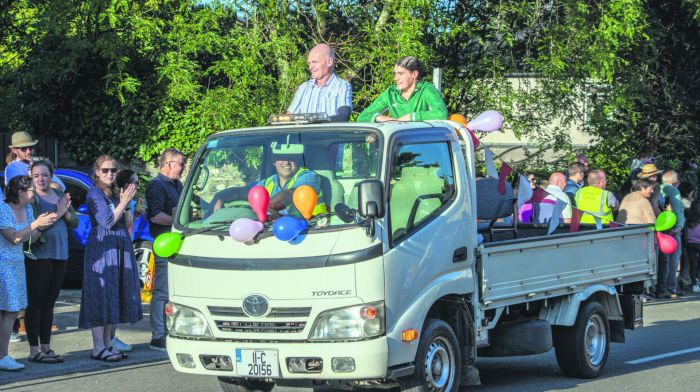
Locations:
{"points": [[133, 77]]}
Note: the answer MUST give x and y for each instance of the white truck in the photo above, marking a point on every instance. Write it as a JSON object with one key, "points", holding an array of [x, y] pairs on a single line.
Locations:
{"points": [[395, 286]]}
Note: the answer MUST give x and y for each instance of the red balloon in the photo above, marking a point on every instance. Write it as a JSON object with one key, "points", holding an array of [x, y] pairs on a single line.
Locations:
{"points": [[259, 200], [667, 244]]}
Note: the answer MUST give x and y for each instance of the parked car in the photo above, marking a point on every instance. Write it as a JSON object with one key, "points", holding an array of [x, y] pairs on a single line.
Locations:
{"points": [[78, 181]]}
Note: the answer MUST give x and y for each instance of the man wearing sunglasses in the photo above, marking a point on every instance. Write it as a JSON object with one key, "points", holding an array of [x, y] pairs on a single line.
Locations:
{"points": [[21, 151], [162, 195]]}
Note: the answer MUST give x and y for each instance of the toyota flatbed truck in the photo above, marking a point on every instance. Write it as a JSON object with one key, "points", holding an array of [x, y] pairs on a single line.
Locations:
{"points": [[394, 287]]}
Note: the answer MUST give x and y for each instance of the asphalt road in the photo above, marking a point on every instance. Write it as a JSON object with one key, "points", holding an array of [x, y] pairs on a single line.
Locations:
{"points": [[672, 327]]}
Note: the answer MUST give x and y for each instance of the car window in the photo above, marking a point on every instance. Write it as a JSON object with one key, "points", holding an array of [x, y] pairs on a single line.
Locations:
{"points": [[422, 181], [77, 190]]}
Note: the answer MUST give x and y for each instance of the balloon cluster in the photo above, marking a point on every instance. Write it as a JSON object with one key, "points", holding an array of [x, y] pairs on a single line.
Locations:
{"points": [[286, 228], [487, 121], [665, 221]]}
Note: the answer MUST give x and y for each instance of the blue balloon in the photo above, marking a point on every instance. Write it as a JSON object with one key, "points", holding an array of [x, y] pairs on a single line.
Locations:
{"points": [[287, 227]]}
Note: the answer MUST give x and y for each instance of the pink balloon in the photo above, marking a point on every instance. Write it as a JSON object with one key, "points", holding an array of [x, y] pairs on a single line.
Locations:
{"points": [[244, 229], [667, 244], [487, 121], [259, 200]]}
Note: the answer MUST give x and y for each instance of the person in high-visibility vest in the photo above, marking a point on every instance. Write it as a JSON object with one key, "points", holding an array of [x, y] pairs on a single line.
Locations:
{"points": [[595, 200], [290, 175]]}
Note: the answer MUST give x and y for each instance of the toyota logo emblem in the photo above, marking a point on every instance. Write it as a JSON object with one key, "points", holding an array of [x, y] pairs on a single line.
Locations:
{"points": [[255, 305]]}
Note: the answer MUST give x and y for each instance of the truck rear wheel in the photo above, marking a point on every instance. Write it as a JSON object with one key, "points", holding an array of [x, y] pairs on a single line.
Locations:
{"points": [[438, 360], [231, 384], [582, 350]]}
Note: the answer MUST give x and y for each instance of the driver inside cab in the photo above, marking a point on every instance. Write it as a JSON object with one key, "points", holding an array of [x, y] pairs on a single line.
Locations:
{"points": [[287, 160]]}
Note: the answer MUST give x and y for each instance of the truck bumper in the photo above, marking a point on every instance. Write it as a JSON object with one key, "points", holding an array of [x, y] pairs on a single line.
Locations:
{"points": [[370, 357]]}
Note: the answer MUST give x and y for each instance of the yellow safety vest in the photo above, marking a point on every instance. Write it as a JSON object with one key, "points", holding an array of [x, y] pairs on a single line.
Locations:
{"points": [[270, 186], [594, 201]]}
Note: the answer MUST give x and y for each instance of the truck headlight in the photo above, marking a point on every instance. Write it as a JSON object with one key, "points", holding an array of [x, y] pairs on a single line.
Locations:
{"points": [[186, 322], [354, 322]]}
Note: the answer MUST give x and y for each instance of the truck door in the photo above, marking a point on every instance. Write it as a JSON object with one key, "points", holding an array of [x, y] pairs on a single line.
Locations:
{"points": [[427, 255]]}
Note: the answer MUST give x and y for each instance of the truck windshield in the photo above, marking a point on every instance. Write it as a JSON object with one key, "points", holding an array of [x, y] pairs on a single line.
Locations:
{"points": [[332, 161]]}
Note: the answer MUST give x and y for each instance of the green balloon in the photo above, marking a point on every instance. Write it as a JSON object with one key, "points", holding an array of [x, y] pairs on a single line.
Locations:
{"points": [[167, 244], [665, 221]]}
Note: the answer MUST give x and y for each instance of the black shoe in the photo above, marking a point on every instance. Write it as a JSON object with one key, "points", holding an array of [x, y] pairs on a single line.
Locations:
{"points": [[158, 344], [679, 293], [664, 294]]}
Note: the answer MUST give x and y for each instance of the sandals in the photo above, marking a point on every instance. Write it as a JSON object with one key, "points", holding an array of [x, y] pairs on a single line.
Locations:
{"points": [[52, 354], [106, 357], [41, 357], [117, 352]]}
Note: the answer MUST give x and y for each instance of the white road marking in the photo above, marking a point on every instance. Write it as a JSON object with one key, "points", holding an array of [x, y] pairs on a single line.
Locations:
{"points": [[662, 356]]}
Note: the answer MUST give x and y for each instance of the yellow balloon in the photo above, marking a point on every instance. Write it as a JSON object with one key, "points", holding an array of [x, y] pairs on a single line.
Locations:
{"points": [[304, 199]]}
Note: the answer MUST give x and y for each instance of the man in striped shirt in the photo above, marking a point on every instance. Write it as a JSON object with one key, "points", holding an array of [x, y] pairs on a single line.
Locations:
{"points": [[324, 92]]}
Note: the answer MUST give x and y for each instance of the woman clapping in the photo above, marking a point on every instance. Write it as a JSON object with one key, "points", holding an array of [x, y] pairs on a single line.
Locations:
{"points": [[18, 226], [45, 275]]}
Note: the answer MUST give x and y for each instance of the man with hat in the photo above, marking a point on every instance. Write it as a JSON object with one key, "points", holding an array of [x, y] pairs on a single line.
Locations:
{"points": [[650, 172], [21, 150]]}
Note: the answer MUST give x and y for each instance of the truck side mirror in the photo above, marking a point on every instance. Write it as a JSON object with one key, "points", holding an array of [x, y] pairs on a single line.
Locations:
{"points": [[370, 199]]}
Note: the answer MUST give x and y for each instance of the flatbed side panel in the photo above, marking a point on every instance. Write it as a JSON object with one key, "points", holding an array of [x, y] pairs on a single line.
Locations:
{"points": [[522, 271]]}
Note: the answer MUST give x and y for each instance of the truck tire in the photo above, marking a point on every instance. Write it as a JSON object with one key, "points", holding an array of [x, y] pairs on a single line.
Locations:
{"points": [[438, 360], [582, 349], [232, 384]]}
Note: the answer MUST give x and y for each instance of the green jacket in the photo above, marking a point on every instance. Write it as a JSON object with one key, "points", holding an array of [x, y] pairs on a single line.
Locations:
{"points": [[424, 104], [72, 223]]}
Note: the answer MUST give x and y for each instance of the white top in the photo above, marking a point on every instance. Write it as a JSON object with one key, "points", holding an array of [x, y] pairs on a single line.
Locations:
{"points": [[556, 193]]}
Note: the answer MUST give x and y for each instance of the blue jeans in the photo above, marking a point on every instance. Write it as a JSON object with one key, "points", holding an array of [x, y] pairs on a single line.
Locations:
{"points": [[159, 297], [668, 265]]}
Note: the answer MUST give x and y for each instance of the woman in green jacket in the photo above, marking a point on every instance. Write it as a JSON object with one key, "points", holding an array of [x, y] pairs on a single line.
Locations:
{"points": [[409, 100]]}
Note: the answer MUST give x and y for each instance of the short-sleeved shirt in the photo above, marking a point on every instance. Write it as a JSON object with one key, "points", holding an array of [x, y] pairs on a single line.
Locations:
{"points": [[162, 195], [334, 94], [21, 168]]}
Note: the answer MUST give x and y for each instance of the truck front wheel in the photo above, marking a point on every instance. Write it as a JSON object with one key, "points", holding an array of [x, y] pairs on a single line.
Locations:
{"points": [[231, 384], [438, 360], [582, 350]]}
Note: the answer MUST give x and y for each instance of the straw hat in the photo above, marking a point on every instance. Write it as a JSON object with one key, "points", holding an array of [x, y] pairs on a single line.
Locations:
{"points": [[22, 139], [648, 170]]}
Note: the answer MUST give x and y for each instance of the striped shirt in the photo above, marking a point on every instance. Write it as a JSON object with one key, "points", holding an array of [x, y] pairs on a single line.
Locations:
{"points": [[309, 98]]}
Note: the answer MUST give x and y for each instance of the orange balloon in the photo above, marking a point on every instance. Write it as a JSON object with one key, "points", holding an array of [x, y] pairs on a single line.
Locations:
{"points": [[458, 118], [304, 199]]}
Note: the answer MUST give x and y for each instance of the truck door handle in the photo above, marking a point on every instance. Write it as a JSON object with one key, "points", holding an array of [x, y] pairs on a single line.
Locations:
{"points": [[460, 255]]}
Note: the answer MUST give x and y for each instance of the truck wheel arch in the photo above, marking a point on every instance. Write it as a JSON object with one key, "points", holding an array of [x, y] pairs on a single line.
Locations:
{"points": [[564, 310]]}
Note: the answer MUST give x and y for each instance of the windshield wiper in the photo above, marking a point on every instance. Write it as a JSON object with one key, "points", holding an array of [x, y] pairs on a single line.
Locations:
{"points": [[214, 226]]}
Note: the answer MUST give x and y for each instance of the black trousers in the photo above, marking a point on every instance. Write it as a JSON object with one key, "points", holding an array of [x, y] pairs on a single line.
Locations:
{"points": [[44, 281], [694, 261]]}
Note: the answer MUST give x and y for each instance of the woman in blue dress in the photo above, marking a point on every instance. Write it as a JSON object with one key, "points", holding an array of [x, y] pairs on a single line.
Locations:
{"points": [[111, 289], [18, 226]]}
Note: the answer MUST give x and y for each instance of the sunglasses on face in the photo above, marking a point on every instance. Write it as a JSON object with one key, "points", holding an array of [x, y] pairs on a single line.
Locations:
{"points": [[106, 170], [25, 148]]}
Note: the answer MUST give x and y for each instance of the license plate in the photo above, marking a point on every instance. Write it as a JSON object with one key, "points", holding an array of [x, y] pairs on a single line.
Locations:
{"points": [[257, 363]]}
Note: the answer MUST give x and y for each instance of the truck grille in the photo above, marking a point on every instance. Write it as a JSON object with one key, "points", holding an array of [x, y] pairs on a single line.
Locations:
{"points": [[227, 311], [261, 326]]}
